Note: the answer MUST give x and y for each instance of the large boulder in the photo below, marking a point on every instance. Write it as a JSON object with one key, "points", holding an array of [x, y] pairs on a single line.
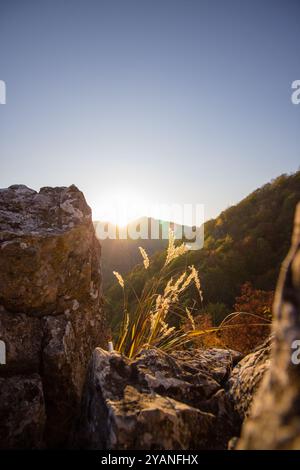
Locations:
{"points": [[49, 254], [158, 401], [50, 305], [274, 421]]}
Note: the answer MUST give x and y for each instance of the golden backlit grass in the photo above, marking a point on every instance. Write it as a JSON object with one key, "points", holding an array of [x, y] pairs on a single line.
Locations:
{"points": [[147, 325]]}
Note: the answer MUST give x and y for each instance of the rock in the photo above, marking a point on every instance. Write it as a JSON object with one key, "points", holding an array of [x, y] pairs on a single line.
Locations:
{"points": [[68, 344], [23, 340], [49, 255], [216, 362], [22, 412], [157, 401], [50, 298], [246, 377], [176, 425], [274, 421]]}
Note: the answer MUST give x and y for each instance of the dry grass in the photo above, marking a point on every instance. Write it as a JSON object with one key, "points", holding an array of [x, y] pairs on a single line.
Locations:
{"points": [[241, 331], [148, 324]]}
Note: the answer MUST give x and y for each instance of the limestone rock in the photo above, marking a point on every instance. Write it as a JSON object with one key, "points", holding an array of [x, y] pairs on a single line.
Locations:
{"points": [[157, 401], [216, 362], [159, 422], [274, 421], [23, 340], [47, 256], [51, 315], [247, 376], [22, 412], [68, 344]]}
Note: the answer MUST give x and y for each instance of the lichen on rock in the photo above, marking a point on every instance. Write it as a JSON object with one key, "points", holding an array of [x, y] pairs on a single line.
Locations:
{"points": [[49, 321], [158, 401]]}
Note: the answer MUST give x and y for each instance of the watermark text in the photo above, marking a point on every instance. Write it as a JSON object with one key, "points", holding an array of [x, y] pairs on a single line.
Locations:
{"points": [[190, 230], [2, 92], [295, 358], [296, 93], [2, 353]]}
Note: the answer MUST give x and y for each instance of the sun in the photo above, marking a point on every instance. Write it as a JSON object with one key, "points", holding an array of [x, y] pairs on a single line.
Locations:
{"points": [[121, 206]]}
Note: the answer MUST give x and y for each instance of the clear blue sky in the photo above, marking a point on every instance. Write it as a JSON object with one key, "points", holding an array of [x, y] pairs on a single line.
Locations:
{"points": [[178, 100]]}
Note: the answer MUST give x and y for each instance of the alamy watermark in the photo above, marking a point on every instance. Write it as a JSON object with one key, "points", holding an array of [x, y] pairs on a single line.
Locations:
{"points": [[2, 92], [295, 97], [189, 230], [2, 353], [295, 357]]}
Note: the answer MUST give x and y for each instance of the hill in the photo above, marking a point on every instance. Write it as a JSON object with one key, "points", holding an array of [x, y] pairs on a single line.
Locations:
{"points": [[247, 242]]}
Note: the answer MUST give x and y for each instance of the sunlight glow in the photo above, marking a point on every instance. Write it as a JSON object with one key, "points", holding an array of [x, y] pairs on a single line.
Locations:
{"points": [[121, 207]]}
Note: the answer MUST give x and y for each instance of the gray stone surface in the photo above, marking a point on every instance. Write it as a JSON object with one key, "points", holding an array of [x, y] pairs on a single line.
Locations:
{"points": [[49, 255], [158, 401], [51, 315], [22, 412], [246, 377]]}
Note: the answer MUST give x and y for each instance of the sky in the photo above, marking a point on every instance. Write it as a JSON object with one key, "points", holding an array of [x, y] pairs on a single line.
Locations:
{"points": [[149, 101]]}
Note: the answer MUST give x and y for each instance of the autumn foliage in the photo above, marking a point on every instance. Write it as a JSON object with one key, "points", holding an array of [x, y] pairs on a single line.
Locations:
{"points": [[244, 329], [251, 320], [255, 301]]}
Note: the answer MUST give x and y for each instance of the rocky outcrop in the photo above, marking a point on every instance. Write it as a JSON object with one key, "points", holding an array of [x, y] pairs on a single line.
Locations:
{"points": [[50, 312], [274, 421], [246, 377], [158, 401], [51, 320]]}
